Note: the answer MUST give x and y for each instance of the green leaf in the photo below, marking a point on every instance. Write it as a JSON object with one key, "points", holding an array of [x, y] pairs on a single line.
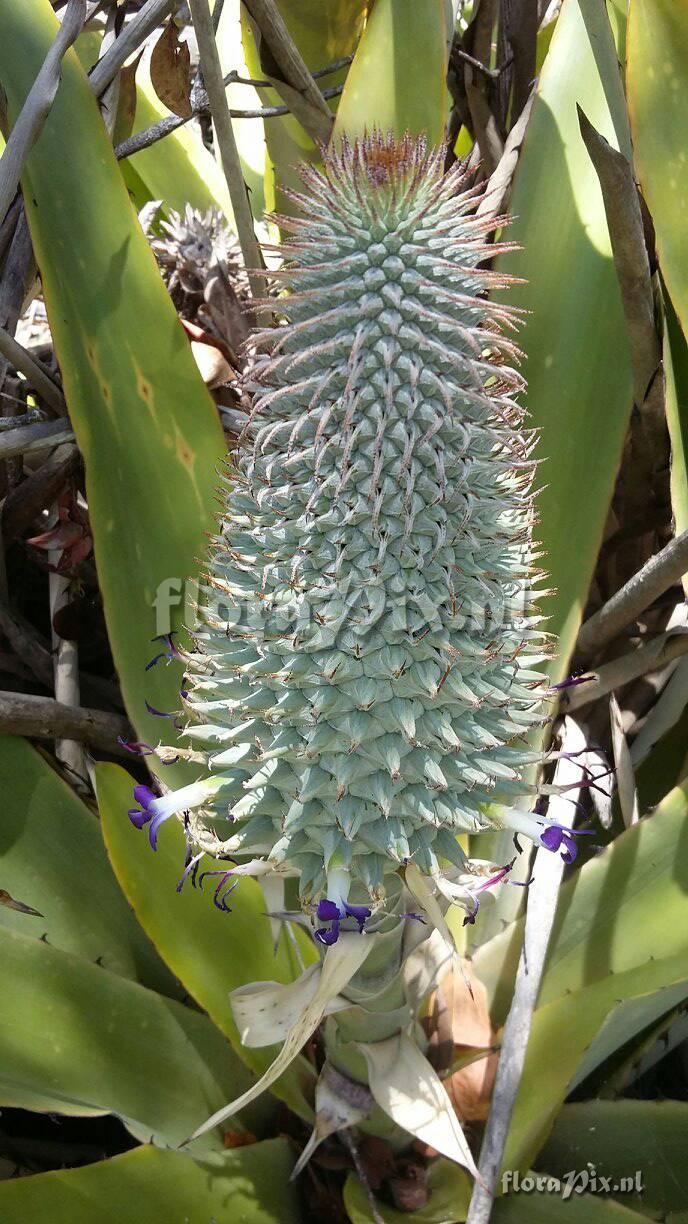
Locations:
{"points": [[210, 952], [450, 1193], [75, 1038], [398, 80], [616, 912], [574, 337], [657, 80], [53, 859], [622, 1139], [559, 1037], [250, 1186], [179, 169], [676, 372], [550, 1208], [144, 421], [323, 33], [625, 1022]]}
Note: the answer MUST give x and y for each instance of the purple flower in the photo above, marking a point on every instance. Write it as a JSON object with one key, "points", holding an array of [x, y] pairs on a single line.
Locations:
{"points": [[220, 897], [154, 810], [333, 914], [140, 816], [169, 654], [556, 835], [497, 878], [136, 747], [572, 681]]}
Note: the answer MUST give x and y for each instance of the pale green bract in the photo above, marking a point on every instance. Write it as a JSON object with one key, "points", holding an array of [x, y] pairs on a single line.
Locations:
{"points": [[365, 673]]}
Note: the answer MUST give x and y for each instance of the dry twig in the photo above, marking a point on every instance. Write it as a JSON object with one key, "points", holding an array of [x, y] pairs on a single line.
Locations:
{"points": [[44, 718], [229, 154], [296, 86], [38, 375], [655, 577], [131, 38]]}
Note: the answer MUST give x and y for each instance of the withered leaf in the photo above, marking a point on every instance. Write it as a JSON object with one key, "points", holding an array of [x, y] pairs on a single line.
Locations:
{"points": [[170, 70]]}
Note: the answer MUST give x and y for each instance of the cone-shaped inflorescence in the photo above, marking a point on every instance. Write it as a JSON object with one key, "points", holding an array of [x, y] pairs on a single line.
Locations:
{"points": [[365, 674], [200, 262]]}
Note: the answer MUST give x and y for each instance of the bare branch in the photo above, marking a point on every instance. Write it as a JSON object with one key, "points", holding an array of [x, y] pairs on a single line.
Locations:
{"points": [[655, 577], [229, 154], [157, 131], [542, 901], [297, 87], [37, 437], [36, 492], [656, 654], [44, 718], [131, 38], [33, 114], [38, 375]]}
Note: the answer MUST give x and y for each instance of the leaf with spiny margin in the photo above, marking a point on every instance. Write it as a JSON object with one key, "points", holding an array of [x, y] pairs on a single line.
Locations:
{"points": [[575, 320], [53, 858], [144, 421], [625, 1022], [249, 1185], [210, 952], [77, 1039], [624, 1138], [561, 1033]]}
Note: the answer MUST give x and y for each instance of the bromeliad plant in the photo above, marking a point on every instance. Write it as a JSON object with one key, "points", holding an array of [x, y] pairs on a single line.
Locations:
{"points": [[332, 854]]}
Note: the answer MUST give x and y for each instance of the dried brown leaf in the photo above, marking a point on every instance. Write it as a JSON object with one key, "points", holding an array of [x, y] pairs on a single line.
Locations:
{"points": [[170, 70]]}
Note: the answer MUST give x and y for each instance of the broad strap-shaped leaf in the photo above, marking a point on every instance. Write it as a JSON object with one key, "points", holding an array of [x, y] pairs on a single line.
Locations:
{"points": [[574, 338], [53, 860], [550, 1208], [148, 1186], [75, 1038], [657, 82], [644, 1141], [145, 424], [210, 951], [625, 1022], [559, 1037], [398, 80], [676, 374], [621, 908]]}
